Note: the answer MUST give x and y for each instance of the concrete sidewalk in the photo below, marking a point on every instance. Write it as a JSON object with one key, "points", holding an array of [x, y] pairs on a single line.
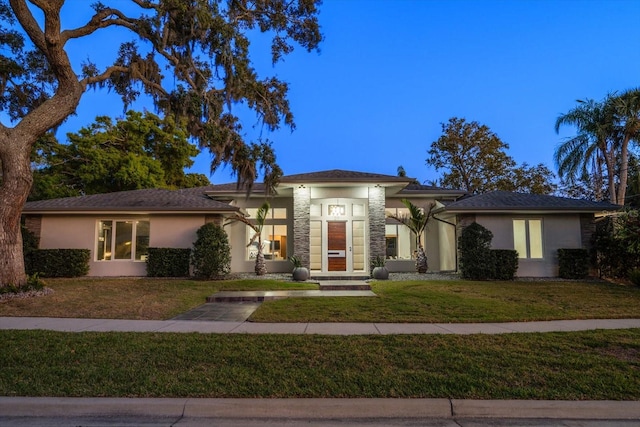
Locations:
{"points": [[117, 325], [317, 408]]}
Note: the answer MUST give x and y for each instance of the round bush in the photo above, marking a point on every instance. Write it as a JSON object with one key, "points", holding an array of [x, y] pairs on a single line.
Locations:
{"points": [[211, 255]]}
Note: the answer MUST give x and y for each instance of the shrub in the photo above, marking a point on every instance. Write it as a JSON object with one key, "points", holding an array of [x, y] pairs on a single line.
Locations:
{"points": [[59, 262], [168, 262], [615, 244], [29, 246], [504, 264], [33, 284], [475, 256], [573, 263], [211, 255], [634, 277]]}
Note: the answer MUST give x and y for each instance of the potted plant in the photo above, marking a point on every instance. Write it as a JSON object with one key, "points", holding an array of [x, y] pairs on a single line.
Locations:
{"points": [[378, 269], [300, 272]]}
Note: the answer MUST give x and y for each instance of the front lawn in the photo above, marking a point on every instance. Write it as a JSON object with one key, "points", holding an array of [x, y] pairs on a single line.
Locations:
{"points": [[463, 301], [574, 366], [410, 301], [131, 298]]}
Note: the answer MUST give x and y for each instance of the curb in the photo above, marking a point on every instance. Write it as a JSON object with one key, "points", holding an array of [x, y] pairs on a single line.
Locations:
{"points": [[317, 408]]}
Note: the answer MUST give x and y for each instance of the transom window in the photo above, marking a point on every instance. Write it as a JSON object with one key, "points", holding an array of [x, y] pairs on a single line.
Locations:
{"points": [[527, 238], [122, 240]]}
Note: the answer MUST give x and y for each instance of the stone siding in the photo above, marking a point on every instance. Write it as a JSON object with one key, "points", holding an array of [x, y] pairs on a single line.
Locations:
{"points": [[377, 242], [33, 223], [301, 224]]}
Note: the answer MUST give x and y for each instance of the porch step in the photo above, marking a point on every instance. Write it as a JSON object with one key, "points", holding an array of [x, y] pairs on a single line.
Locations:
{"points": [[344, 285], [341, 278]]}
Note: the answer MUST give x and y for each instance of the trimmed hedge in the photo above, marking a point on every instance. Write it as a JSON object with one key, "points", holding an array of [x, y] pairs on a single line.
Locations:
{"points": [[479, 262], [573, 263], [168, 262], [505, 263], [475, 257], [59, 262]]}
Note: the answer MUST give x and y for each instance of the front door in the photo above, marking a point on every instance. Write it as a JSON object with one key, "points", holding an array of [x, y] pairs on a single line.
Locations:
{"points": [[337, 245]]}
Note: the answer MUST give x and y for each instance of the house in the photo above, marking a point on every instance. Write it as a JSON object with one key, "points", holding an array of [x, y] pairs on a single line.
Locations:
{"points": [[335, 221]]}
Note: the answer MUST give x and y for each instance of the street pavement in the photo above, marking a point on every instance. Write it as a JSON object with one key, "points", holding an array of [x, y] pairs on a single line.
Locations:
{"points": [[21, 411]]}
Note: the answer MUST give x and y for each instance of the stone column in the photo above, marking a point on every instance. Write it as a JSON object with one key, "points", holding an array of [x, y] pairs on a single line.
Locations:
{"points": [[377, 241], [301, 223]]}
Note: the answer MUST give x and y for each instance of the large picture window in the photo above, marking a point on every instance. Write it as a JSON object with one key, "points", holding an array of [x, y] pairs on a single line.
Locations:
{"points": [[527, 238], [122, 240], [400, 243], [274, 235]]}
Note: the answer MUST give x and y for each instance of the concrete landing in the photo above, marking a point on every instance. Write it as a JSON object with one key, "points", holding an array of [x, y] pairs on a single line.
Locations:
{"points": [[260, 296]]}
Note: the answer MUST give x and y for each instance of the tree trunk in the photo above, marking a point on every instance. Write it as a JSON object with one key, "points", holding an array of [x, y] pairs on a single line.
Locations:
{"points": [[624, 165], [261, 267], [611, 173], [16, 176], [16, 183], [421, 261]]}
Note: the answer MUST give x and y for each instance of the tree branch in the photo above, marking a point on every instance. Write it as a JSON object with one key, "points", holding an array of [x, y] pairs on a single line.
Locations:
{"points": [[119, 69], [98, 21], [28, 22]]}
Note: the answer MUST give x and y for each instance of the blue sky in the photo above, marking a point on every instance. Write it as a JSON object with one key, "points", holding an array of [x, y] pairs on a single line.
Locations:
{"points": [[390, 72]]}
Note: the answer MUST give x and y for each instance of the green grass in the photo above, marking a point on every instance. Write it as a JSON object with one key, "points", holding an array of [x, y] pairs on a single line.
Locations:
{"points": [[575, 366], [462, 301], [131, 298]]}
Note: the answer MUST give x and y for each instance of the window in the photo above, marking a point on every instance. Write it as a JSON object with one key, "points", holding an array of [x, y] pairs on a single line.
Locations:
{"points": [[274, 242], [122, 240], [400, 242], [527, 238], [274, 235]]}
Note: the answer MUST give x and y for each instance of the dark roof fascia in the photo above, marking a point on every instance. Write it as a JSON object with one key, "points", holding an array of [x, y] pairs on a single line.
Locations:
{"points": [[126, 211], [525, 210], [339, 176]]}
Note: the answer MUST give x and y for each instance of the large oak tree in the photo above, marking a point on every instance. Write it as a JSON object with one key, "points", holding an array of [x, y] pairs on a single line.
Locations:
{"points": [[474, 159], [202, 46]]}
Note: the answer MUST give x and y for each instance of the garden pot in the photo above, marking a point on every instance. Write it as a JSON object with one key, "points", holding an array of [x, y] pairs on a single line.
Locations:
{"points": [[300, 274], [380, 273]]}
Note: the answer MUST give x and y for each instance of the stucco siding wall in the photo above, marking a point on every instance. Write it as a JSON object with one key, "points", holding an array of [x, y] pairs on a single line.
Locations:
{"points": [[79, 232], [558, 231], [67, 232], [174, 231]]}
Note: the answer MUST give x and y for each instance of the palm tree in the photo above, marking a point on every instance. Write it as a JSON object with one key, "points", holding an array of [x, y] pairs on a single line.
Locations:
{"points": [[627, 109], [257, 226], [417, 221], [594, 145]]}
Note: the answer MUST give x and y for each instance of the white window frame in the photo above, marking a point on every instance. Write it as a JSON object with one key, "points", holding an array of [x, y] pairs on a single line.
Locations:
{"points": [[277, 216], [134, 239], [527, 238]]}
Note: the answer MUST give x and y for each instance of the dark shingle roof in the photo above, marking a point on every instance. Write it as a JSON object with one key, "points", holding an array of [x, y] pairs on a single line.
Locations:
{"points": [[339, 175], [415, 188], [233, 187], [193, 199], [508, 201]]}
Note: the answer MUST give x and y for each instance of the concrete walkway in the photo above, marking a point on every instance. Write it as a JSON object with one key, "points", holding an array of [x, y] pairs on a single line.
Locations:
{"points": [[322, 409], [221, 327]]}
